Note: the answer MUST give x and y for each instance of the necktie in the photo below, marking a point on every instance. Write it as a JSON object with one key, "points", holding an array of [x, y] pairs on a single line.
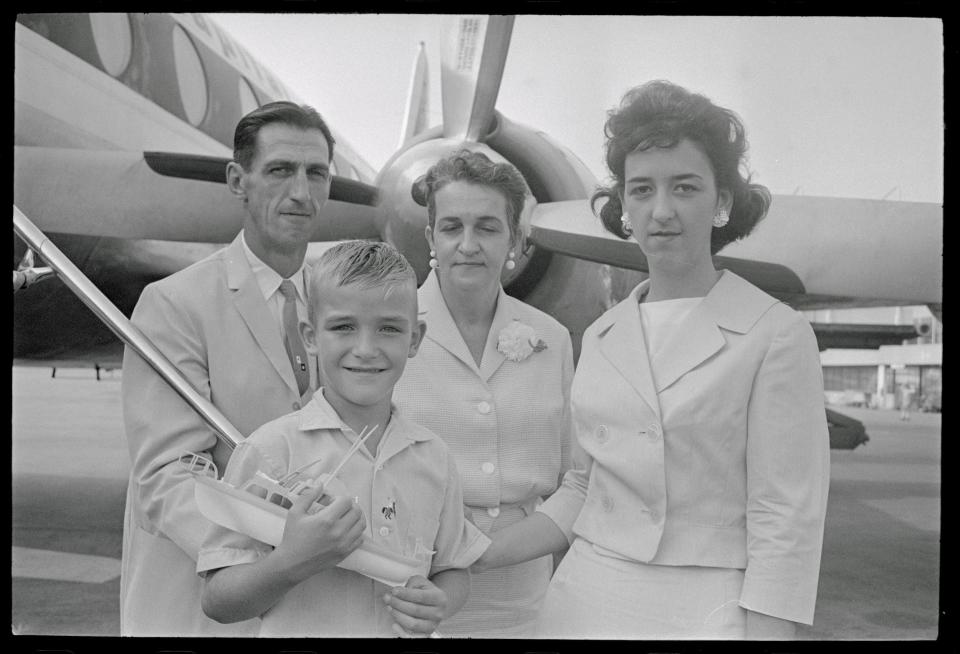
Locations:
{"points": [[291, 336]]}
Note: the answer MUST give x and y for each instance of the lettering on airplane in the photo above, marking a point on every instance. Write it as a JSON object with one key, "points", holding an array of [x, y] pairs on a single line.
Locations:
{"points": [[467, 43]]}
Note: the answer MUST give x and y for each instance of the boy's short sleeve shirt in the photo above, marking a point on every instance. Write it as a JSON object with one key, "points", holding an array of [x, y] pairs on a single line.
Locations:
{"points": [[409, 493]]}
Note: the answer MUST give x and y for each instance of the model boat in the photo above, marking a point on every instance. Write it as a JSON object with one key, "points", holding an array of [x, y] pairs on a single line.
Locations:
{"points": [[258, 508]]}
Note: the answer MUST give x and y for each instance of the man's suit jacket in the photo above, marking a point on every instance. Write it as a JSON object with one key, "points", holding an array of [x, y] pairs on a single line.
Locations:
{"points": [[723, 462], [212, 322]]}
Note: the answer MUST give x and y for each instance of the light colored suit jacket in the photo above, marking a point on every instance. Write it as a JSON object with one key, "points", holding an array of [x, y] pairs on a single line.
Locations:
{"points": [[725, 463], [212, 322]]}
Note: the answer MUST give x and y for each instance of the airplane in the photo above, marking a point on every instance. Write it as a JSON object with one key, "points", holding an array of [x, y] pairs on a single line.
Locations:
{"points": [[127, 179]]}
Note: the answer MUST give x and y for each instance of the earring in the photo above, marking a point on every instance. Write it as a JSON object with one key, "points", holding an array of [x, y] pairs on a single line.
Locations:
{"points": [[511, 264], [721, 219], [625, 222], [433, 259]]}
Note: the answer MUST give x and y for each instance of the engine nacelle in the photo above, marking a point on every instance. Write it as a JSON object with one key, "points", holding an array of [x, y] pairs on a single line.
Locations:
{"points": [[402, 221]]}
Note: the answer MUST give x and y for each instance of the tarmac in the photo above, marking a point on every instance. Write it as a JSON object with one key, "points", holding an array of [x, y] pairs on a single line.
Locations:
{"points": [[880, 569]]}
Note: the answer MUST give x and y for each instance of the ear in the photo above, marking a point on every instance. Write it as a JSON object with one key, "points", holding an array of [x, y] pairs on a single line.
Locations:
{"points": [[235, 174], [416, 338], [428, 234], [724, 200], [309, 336]]}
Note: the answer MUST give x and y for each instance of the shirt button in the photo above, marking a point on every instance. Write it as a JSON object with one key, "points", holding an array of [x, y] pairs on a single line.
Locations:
{"points": [[493, 511], [379, 466], [487, 468], [607, 503], [484, 408], [384, 531], [602, 434], [296, 406]]}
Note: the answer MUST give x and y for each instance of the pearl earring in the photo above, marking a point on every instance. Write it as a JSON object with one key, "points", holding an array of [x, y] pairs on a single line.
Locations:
{"points": [[511, 264], [625, 222], [721, 219], [433, 259]]}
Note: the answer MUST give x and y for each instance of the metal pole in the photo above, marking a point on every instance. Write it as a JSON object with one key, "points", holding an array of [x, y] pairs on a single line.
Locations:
{"points": [[118, 323]]}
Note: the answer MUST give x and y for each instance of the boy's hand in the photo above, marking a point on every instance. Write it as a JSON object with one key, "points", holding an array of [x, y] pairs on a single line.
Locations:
{"points": [[417, 608], [314, 540]]}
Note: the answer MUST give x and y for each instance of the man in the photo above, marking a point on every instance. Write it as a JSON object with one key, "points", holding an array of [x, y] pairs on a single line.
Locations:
{"points": [[223, 322]]}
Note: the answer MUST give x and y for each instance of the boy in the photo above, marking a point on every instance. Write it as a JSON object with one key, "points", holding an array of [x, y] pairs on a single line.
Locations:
{"points": [[363, 326]]}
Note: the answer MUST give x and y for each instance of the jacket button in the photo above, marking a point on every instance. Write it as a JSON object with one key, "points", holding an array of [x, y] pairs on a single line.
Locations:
{"points": [[493, 511], [484, 408], [487, 468]]}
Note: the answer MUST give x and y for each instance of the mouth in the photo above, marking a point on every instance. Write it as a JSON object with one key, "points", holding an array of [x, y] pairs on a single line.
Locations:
{"points": [[364, 370], [469, 263], [664, 233]]}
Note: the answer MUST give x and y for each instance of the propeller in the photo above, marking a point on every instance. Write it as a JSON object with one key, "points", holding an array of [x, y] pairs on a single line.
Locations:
{"points": [[570, 228], [473, 56]]}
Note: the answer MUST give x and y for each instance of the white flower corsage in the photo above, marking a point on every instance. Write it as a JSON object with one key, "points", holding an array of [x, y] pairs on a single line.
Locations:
{"points": [[518, 341]]}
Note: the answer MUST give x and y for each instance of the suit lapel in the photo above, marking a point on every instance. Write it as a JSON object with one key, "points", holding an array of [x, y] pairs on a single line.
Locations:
{"points": [[732, 304], [621, 343], [492, 357], [692, 342], [441, 329], [253, 309]]}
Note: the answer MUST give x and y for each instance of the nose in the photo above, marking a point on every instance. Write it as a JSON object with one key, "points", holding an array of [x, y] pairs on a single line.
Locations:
{"points": [[300, 187], [663, 209], [469, 243], [365, 346]]}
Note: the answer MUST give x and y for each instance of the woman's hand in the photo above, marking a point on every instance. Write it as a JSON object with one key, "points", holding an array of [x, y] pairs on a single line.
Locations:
{"points": [[417, 608]]}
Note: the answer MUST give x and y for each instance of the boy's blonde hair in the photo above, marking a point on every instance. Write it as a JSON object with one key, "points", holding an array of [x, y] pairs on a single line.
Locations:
{"points": [[367, 263]]}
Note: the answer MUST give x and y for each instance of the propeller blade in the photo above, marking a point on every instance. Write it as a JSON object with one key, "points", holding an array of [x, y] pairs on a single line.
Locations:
{"points": [[159, 196], [418, 99], [472, 59], [570, 228]]}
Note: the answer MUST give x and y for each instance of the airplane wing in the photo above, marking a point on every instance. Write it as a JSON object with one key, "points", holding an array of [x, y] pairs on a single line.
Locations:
{"points": [[158, 195], [811, 252]]}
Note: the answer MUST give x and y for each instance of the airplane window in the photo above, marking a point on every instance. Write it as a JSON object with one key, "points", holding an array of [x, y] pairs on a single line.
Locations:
{"points": [[190, 76], [114, 41], [248, 99]]}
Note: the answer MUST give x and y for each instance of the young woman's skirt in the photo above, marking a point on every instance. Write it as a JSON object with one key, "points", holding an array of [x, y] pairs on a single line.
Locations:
{"points": [[593, 595]]}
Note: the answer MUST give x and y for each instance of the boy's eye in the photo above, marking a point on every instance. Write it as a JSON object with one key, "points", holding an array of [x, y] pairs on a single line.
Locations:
{"points": [[391, 329], [341, 327]]}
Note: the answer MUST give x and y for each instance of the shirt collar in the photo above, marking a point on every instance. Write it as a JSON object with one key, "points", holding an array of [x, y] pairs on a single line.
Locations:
{"points": [[318, 414], [268, 279]]}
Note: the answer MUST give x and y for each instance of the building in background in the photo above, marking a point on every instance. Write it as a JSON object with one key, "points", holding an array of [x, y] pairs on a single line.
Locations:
{"points": [[888, 376]]}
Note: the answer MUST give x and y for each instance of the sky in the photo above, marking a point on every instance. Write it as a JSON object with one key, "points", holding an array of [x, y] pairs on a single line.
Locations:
{"points": [[833, 106]]}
